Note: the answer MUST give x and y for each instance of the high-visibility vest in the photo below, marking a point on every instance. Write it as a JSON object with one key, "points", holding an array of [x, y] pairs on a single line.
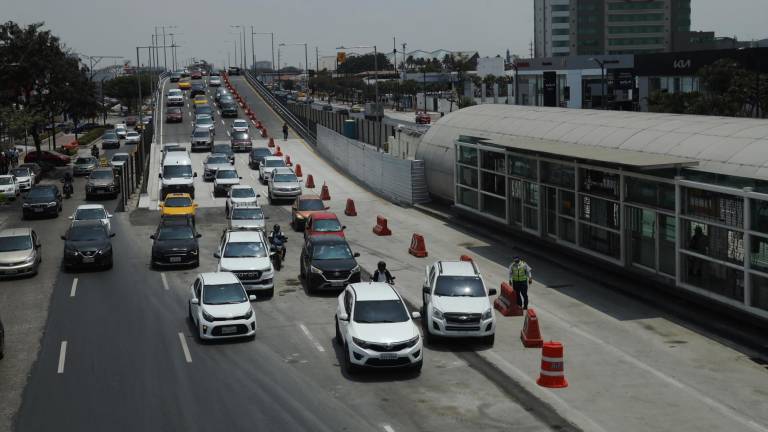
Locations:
{"points": [[519, 273]]}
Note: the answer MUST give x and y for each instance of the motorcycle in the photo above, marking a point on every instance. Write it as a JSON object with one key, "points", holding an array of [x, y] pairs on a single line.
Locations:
{"points": [[68, 189], [277, 250], [95, 152]]}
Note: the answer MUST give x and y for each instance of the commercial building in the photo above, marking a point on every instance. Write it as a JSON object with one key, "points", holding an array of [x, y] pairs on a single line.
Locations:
{"points": [[678, 200]]}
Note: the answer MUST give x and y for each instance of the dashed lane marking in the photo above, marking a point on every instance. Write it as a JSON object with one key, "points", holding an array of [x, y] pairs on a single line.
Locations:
{"points": [[74, 288], [388, 428], [62, 357], [165, 281], [311, 338], [185, 348]]}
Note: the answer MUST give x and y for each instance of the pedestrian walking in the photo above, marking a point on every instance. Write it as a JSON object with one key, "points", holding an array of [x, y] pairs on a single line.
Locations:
{"points": [[520, 277], [285, 131]]}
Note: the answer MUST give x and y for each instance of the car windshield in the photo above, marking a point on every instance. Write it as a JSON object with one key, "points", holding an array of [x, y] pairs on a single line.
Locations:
{"points": [[84, 161], [245, 250], [120, 158], [239, 124], [274, 163], [285, 178], [201, 134], [311, 204], [240, 136], [21, 172], [42, 192], [243, 193], [87, 233], [459, 286], [204, 121], [331, 251], [177, 171], [217, 160], [380, 311], [109, 136], [175, 233], [226, 174], [202, 109], [226, 149], [261, 151], [326, 225], [247, 213], [90, 214], [6, 180], [178, 202], [224, 294], [101, 175], [15, 243]]}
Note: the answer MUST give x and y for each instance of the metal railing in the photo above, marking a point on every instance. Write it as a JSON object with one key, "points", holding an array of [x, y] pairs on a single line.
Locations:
{"points": [[293, 121]]}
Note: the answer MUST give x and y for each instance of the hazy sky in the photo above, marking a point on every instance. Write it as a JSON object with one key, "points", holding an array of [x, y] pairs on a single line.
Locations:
{"points": [[109, 27]]}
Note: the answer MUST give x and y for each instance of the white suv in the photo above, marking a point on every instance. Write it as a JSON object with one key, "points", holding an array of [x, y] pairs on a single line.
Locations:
{"points": [[247, 255], [220, 308], [268, 165], [283, 184], [175, 98], [375, 328], [241, 194], [225, 178], [456, 303]]}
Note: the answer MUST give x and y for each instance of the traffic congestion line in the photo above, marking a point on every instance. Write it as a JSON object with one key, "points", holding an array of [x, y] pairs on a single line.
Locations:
{"points": [[185, 348], [62, 357], [73, 291], [311, 337]]}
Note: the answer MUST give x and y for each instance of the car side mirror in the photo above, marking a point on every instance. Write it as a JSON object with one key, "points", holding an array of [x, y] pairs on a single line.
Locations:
{"points": [[63, 237], [111, 234], [425, 289], [198, 235], [194, 175], [109, 216], [327, 207], [216, 255], [231, 162], [415, 315], [343, 227], [492, 292], [252, 297], [152, 236], [356, 254], [258, 195], [266, 217], [195, 301], [38, 246], [241, 177], [160, 175], [343, 317], [71, 217]]}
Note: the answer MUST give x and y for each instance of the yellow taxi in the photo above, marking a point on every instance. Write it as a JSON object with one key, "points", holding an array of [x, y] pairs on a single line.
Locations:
{"points": [[178, 204], [200, 100], [185, 84]]}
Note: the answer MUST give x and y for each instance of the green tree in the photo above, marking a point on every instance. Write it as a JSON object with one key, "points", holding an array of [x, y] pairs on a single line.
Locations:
{"points": [[126, 89], [365, 63]]}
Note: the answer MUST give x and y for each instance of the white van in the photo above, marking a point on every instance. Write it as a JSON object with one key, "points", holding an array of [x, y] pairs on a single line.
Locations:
{"points": [[176, 175]]}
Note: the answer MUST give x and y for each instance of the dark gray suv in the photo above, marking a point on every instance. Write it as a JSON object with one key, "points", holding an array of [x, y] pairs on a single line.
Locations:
{"points": [[101, 182]]}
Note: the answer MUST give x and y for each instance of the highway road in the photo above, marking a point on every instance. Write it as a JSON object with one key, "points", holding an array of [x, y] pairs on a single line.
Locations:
{"points": [[119, 354]]}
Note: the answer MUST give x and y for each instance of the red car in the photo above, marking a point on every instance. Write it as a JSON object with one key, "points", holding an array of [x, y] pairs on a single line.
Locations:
{"points": [[47, 157], [131, 121], [196, 75], [423, 118], [174, 115], [322, 223]]}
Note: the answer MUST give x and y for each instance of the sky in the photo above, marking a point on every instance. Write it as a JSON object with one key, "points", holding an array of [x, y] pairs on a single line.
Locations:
{"points": [[112, 28]]}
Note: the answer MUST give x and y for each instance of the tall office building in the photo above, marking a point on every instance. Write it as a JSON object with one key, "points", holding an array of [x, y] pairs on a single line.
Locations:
{"points": [[595, 27]]}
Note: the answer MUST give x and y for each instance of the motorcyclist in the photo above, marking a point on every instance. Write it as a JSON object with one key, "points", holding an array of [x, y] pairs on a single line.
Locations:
{"points": [[67, 180], [95, 151], [67, 177], [382, 274], [277, 238]]}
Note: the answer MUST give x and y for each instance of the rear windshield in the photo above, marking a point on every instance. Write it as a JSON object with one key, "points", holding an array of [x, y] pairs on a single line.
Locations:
{"points": [[240, 136], [226, 174], [243, 193], [311, 204], [177, 171], [247, 213], [285, 178], [274, 163], [99, 175]]}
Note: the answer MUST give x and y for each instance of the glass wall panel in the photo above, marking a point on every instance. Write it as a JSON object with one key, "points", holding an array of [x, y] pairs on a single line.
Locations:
{"points": [[522, 166], [759, 292], [650, 193], [599, 240], [599, 183], [494, 206], [493, 183], [515, 198], [758, 256], [667, 235], [467, 197], [716, 242], [557, 175], [549, 207], [567, 203], [567, 230], [641, 230], [467, 155], [491, 160], [599, 211], [714, 206], [530, 218], [759, 215], [713, 277], [468, 176], [531, 194]]}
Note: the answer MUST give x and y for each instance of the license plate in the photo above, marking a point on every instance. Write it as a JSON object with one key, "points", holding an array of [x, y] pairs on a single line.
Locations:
{"points": [[87, 260], [175, 259], [37, 210], [101, 191], [388, 356], [337, 283], [228, 330]]}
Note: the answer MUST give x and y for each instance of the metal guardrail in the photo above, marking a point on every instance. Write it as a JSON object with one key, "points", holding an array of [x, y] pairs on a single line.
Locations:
{"points": [[294, 122]]}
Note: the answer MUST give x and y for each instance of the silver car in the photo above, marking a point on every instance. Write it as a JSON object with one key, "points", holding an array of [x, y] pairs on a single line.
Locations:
{"points": [[205, 121], [19, 252], [283, 184], [213, 163], [84, 165], [202, 139], [247, 217]]}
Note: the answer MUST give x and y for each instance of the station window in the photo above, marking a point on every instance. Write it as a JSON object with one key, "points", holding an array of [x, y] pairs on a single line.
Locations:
{"points": [[491, 160], [466, 197], [667, 246], [468, 176], [493, 183], [522, 166], [714, 277], [759, 215], [600, 183], [716, 242], [713, 206], [600, 212], [494, 206], [650, 193], [567, 203], [758, 256], [531, 194], [567, 230], [599, 240], [557, 174], [468, 155], [759, 292]]}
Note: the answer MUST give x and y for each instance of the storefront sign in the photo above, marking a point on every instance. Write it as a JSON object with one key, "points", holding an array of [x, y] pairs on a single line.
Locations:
{"points": [[550, 89]]}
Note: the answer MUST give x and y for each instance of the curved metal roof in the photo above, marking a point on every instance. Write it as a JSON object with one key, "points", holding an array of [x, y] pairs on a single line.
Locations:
{"points": [[724, 145]]}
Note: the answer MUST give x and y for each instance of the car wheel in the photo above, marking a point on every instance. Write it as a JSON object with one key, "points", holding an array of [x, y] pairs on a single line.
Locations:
{"points": [[416, 368], [429, 338], [348, 365], [489, 340], [189, 313], [338, 333], [110, 264], [197, 263]]}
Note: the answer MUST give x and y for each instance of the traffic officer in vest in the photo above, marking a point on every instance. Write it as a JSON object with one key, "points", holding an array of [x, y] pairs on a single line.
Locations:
{"points": [[520, 277]]}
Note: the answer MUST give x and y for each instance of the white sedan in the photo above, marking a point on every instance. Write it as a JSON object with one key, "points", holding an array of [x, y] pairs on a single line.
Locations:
{"points": [[375, 329], [9, 188], [240, 125], [92, 212], [220, 308], [132, 137], [25, 178]]}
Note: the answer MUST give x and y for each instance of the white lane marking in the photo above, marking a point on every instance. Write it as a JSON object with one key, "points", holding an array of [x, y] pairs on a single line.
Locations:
{"points": [[311, 338], [165, 281], [185, 348], [74, 288], [222, 122], [219, 111], [254, 122], [191, 123], [388, 428], [189, 113], [62, 357]]}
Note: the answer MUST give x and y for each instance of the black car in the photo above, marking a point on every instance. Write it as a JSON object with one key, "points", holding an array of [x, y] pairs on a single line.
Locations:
{"points": [[84, 127], [175, 242], [342, 111], [328, 107], [228, 109], [205, 109], [197, 88], [257, 155], [234, 70], [87, 244], [224, 99], [42, 200], [327, 262], [224, 149], [175, 77]]}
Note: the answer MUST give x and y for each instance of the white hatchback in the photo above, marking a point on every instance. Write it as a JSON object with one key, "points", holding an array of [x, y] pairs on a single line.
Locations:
{"points": [[240, 125], [220, 308], [92, 212]]}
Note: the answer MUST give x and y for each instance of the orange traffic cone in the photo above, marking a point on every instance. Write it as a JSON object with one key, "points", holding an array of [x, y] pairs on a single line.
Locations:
{"points": [[465, 258], [288, 160], [278, 152], [418, 248], [350, 210], [324, 194], [381, 228], [531, 335], [552, 366], [271, 141], [506, 302], [297, 170], [310, 182], [258, 125], [264, 132]]}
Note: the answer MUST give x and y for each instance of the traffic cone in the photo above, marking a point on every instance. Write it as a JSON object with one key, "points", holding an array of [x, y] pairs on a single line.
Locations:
{"points": [[310, 182], [350, 210], [381, 228], [259, 125], [263, 132], [465, 258], [278, 152], [297, 170], [288, 160], [531, 335], [324, 194], [271, 141], [506, 302], [418, 248], [552, 366]]}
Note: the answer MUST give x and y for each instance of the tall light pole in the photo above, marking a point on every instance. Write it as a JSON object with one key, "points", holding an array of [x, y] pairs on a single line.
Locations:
{"points": [[272, 36], [602, 64], [306, 58], [241, 32], [165, 53]]}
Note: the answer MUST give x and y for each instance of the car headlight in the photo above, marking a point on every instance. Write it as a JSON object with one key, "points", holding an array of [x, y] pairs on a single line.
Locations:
{"points": [[361, 343], [53, 203], [207, 317], [248, 314], [314, 269], [299, 217], [487, 314], [25, 205], [356, 269], [194, 252], [30, 259], [412, 342], [106, 250], [71, 252], [437, 313]]}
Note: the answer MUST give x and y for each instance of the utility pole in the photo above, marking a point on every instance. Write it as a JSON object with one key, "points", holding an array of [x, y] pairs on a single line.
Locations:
{"points": [[253, 52], [394, 53], [165, 53], [317, 60]]}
